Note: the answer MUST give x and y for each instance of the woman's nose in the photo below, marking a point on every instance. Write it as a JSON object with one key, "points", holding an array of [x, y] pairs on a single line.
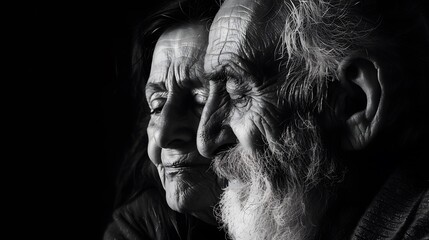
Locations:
{"points": [[174, 127]]}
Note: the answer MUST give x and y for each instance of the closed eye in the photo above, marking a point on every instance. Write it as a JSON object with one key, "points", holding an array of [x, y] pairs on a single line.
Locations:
{"points": [[156, 105], [238, 86], [200, 97], [157, 101], [237, 89]]}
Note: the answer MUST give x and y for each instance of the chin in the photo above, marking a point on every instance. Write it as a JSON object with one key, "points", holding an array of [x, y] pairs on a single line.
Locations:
{"points": [[194, 191], [182, 203]]}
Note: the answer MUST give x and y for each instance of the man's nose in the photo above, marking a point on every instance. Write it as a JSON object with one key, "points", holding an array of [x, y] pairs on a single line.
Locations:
{"points": [[214, 132], [174, 127]]}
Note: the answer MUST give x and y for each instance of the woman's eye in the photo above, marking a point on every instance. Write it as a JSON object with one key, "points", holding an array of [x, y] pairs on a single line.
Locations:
{"points": [[199, 96], [156, 105], [200, 99]]}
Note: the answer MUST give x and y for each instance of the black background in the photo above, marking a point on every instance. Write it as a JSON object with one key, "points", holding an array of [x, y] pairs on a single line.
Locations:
{"points": [[72, 115], [74, 112]]}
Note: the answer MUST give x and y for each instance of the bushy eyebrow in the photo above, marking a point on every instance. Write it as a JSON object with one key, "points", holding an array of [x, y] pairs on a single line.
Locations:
{"points": [[225, 72], [215, 76]]}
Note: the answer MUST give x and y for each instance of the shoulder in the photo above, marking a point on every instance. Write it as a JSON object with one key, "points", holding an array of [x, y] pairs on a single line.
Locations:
{"points": [[419, 221], [399, 211], [142, 218]]}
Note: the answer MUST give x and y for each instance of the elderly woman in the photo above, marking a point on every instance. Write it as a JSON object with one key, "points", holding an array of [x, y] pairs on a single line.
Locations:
{"points": [[176, 177]]}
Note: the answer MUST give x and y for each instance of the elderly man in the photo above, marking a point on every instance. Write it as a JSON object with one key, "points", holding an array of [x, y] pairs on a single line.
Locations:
{"points": [[317, 116]]}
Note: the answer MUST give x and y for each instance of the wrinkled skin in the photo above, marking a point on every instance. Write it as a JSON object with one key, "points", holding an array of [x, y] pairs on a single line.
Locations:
{"points": [[243, 105], [244, 122], [176, 94], [288, 177]]}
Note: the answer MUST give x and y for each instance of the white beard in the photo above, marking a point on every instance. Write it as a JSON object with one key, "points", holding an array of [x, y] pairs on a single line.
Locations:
{"points": [[278, 193], [262, 217]]}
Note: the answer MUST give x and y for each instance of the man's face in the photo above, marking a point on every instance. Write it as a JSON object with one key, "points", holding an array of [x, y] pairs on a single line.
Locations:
{"points": [[241, 67], [176, 93], [271, 154]]}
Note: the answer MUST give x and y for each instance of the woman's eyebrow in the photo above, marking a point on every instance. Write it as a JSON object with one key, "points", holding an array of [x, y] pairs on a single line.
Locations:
{"points": [[152, 87], [155, 86]]}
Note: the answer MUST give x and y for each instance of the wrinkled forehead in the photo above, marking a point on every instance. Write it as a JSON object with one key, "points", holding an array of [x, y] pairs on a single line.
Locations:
{"points": [[183, 45], [240, 29]]}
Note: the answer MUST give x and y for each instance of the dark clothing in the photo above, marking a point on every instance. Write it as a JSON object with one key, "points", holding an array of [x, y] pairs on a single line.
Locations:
{"points": [[149, 217], [400, 210]]}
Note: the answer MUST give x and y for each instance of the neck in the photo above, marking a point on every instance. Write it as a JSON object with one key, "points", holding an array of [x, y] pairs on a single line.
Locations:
{"points": [[206, 216]]}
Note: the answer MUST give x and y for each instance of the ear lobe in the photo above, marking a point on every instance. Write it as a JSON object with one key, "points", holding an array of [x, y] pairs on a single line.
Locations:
{"points": [[360, 101]]}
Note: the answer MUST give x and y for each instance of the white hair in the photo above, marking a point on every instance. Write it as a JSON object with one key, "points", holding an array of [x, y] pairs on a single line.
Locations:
{"points": [[317, 35], [271, 193]]}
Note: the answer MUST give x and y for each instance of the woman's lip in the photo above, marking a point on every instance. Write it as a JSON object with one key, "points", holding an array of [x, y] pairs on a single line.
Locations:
{"points": [[171, 171], [185, 165], [173, 159]]}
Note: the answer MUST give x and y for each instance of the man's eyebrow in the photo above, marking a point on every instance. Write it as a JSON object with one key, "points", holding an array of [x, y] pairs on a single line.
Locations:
{"points": [[225, 73], [222, 74], [215, 76]]}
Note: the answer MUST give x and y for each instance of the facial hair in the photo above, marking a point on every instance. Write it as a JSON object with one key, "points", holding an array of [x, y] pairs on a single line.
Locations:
{"points": [[282, 191]]}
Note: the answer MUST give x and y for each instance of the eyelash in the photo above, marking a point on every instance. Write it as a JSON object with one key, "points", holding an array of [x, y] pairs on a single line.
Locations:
{"points": [[237, 92], [155, 111], [158, 108], [199, 99]]}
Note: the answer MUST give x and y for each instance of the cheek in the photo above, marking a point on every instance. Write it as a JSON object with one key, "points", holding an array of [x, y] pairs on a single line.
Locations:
{"points": [[154, 152], [260, 124], [246, 132]]}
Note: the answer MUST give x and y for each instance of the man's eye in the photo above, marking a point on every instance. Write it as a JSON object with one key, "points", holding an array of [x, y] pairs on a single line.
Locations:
{"points": [[237, 96], [240, 101], [233, 85], [238, 92], [156, 105]]}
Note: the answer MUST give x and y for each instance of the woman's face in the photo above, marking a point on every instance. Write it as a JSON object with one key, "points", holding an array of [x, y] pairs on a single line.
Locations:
{"points": [[176, 93]]}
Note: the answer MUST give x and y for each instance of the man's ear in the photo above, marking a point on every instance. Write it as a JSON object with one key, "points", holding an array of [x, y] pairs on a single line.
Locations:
{"points": [[359, 103]]}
